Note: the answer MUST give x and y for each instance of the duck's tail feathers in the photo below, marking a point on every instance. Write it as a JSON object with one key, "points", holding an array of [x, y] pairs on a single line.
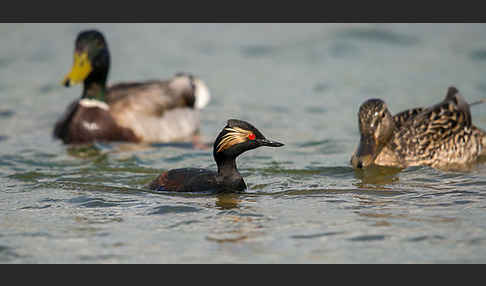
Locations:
{"points": [[203, 96]]}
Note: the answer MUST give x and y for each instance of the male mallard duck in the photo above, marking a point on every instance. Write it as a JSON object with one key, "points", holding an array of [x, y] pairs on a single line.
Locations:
{"points": [[441, 136], [150, 111], [236, 137]]}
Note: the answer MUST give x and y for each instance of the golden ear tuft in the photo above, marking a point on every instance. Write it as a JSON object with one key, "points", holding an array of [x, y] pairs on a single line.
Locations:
{"points": [[234, 136]]}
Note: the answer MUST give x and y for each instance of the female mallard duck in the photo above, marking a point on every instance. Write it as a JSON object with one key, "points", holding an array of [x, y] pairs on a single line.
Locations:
{"points": [[441, 136], [235, 138], [150, 111]]}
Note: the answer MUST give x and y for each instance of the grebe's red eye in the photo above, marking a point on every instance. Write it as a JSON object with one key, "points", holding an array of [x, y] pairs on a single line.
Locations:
{"points": [[251, 136]]}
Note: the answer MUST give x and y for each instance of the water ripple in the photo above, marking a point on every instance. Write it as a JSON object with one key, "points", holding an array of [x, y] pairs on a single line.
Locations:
{"points": [[378, 36], [368, 237], [317, 235], [426, 237], [478, 55], [7, 254], [6, 113], [163, 210], [5, 62], [96, 202], [36, 207], [253, 51]]}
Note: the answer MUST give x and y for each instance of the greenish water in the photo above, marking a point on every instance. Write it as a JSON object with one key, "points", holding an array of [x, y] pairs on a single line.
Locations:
{"points": [[300, 84]]}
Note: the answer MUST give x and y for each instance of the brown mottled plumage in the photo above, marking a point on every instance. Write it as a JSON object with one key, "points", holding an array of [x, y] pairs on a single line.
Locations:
{"points": [[441, 136], [402, 117]]}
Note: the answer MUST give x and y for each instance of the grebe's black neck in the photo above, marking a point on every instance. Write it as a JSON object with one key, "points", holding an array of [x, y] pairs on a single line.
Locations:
{"points": [[227, 167], [228, 174]]}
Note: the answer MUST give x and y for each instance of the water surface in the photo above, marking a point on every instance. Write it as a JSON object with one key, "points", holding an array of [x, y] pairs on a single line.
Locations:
{"points": [[301, 84]]}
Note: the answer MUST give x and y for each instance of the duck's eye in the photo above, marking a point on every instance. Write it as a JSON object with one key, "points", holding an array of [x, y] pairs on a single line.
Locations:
{"points": [[251, 136]]}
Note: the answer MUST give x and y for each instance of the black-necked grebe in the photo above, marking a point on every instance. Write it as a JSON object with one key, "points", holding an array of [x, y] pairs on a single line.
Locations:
{"points": [[236, 137]]}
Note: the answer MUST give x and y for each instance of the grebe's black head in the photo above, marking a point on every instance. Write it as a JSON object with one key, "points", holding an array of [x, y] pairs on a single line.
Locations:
{"points": [[376, 127], [91, 59], [237, 137]]}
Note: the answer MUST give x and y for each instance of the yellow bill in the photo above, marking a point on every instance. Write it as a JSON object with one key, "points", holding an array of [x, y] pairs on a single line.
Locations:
{"points": [[80, 71]]}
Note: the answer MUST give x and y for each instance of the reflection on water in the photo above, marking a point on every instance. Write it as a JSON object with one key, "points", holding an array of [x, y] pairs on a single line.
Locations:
{"points": [[227, 201], [83, 151], [376, 175], [235, 227]]}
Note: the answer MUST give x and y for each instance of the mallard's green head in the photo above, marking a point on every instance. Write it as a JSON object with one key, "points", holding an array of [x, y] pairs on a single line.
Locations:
{"points": [[91, 59], [376, 127]]}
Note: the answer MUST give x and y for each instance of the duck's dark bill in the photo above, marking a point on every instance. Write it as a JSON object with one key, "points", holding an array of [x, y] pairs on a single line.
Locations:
{"points": [[366, 150], [270, 143]]}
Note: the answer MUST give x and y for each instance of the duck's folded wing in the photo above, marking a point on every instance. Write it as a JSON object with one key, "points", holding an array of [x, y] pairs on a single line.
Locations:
{"points": [[402, 117], [151, 98], [157, 111], [435, 130]]}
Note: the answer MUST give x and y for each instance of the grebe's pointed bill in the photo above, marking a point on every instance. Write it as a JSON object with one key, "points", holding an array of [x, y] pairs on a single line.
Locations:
{"points": [[270, 143]]}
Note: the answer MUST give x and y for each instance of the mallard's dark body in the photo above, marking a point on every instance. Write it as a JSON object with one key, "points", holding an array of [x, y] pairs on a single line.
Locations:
{"points": [[441, 136], [82, 124], [237, 137]]}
